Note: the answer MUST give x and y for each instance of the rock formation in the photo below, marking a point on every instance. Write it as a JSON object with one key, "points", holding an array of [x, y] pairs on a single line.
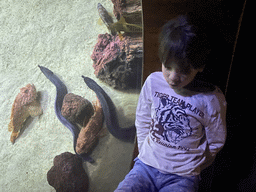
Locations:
{"points": [[118, 63], [25, 105], [131, 10], [68, 174], [76, 109], [117, 59]]}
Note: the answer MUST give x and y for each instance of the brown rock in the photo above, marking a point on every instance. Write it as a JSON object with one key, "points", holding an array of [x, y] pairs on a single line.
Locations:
{"points": [[76, 109], [131, 10], [118, 62], [25, 104], [67, 174]]}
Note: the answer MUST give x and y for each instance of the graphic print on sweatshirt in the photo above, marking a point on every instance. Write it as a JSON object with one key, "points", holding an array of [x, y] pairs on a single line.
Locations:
{"points": [[172, 122]]}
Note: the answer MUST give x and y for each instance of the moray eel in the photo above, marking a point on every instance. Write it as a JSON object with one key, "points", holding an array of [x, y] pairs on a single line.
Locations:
{"points": [[109, 111], [61, 92]]}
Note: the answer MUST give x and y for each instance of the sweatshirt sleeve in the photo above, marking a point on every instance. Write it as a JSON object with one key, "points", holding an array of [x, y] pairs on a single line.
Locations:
{"points": [[143, 113], [215, 129]]}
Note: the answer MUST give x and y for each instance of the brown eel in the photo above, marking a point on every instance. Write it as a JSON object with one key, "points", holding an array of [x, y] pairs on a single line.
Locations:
{"points": [[89, 134]]}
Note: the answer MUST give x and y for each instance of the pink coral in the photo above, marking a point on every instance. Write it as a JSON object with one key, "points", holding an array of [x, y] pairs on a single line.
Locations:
{"points": [[118, 62], [107, 49]]}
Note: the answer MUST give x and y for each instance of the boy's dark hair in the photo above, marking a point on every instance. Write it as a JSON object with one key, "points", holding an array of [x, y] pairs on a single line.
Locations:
{"points": [[182, 41]]}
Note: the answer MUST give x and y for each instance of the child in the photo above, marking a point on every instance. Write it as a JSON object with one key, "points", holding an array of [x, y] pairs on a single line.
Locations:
{"points": [[180, 121]]}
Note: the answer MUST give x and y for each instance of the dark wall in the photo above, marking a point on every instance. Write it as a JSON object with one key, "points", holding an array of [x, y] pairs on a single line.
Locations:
{"points": [[155, 14], [237, 159], [219, 20]]}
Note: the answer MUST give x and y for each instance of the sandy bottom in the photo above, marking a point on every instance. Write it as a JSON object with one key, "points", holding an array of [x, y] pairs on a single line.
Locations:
{"points": [[59, 35]]}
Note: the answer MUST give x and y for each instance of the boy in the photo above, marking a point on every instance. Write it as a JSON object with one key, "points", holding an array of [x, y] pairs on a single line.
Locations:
{"points": [[180, 121]]}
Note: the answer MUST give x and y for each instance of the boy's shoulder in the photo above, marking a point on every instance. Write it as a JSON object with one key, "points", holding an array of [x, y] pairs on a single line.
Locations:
{"points": [[201, 86], [158, 75], [155, 78]]}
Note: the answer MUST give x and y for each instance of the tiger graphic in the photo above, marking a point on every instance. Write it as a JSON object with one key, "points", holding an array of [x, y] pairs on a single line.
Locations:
{"points": [[173, 124]]}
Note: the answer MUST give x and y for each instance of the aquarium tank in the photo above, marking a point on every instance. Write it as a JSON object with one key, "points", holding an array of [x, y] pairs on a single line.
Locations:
{"points": [[70, 80]]}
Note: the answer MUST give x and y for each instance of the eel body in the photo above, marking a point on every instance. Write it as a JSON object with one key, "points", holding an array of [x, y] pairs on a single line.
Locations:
{"points": [[61, 92], [90, 133], [110, 115]]}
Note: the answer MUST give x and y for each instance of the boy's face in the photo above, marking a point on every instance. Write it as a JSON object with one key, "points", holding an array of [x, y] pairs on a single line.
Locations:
{"points": [[178, 78]]}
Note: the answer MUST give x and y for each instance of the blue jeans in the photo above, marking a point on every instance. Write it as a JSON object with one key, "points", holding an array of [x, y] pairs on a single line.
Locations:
{"points": [[143, 178]]}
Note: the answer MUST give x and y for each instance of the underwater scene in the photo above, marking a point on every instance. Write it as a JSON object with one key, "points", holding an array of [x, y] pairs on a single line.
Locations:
{"points": [[70, 80]]}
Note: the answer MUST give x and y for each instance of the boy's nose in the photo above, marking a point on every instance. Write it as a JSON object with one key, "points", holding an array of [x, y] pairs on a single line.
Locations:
{"points": [[174, 77]]}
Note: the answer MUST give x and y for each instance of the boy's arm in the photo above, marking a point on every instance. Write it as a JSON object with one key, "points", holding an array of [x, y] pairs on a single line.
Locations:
{"points": [[143, 114], [216, 131]]}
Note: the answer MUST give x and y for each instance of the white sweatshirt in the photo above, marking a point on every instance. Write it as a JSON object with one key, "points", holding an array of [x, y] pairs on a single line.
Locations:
{"points": [[179, 134]]}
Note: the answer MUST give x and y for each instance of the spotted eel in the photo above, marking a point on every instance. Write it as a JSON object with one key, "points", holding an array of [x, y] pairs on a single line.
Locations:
{"points": [[61, 92], [109, 111]]}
